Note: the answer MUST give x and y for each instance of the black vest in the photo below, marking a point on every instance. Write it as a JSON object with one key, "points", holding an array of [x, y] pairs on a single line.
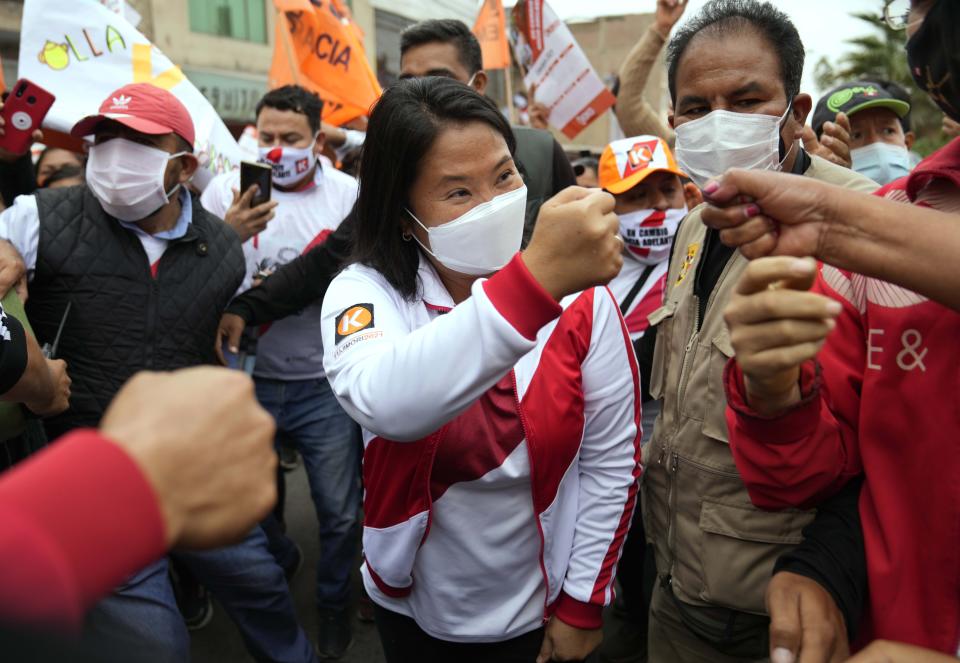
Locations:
{"points": [[122, 320]]}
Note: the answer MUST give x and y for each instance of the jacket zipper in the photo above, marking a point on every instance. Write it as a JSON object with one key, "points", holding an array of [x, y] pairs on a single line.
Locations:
{"points": [[672, 463], [533, 500], [681, 393], [682, 388], [672, 501], [152, 304]]}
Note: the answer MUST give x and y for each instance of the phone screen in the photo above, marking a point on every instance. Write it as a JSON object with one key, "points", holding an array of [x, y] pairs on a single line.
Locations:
{"points": [[259, 174]]}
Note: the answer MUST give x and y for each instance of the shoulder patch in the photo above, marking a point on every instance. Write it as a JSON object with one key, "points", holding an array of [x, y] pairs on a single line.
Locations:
{"points": [[354, 319]]}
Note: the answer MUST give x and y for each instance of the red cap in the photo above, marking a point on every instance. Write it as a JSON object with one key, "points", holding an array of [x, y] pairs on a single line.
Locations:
{"points": [[142, 107]]}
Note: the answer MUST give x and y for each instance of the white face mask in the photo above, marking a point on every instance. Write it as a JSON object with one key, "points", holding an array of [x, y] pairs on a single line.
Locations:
{"points": [[648, 234], [127, 178], [881, 162], [484, 239], [289, 164], [707, 147]]}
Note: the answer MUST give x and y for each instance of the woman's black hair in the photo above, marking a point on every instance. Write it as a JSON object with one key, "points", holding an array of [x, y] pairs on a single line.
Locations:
{"points": [[403, 127]]}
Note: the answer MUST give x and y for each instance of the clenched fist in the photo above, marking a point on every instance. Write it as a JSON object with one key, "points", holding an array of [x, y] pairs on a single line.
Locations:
{"points": [[576, 244], [206, 447], [59, 399], [775, 326]]}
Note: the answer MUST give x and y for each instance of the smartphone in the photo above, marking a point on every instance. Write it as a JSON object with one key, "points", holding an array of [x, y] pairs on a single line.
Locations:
{"points": [[23, 112], [256, 173]]}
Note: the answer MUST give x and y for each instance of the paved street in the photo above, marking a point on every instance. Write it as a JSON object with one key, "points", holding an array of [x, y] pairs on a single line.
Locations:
{"points": [[220, 642]]}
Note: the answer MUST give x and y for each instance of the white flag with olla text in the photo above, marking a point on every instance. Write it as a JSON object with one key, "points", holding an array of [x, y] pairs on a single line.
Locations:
{"points": [[82, 51]]}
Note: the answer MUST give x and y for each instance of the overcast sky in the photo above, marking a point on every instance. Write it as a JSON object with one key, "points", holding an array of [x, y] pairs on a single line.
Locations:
{"points": [[823, 24]]}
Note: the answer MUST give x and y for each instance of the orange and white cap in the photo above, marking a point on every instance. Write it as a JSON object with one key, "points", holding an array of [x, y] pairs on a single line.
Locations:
{"points": [[627, 162]]}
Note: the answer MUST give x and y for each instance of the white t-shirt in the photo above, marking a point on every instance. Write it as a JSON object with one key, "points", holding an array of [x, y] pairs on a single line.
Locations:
{"points": [[20, 225], [289, 349]]}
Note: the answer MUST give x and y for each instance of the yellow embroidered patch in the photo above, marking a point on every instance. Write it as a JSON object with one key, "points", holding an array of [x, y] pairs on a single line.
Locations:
{"points": [[688, 261]]}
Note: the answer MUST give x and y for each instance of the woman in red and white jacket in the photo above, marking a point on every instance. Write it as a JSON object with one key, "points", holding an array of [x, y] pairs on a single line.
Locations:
{"points": [[501, 414]]}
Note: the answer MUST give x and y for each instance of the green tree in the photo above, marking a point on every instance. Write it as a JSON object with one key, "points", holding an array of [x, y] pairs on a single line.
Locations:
{"points": [[881, 55]]}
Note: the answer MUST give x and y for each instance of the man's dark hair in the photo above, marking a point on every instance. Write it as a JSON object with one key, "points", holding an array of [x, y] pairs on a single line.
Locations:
{"points": [[404, 125], [297, 99], [445, 31], [897, 91], [731, 16]]}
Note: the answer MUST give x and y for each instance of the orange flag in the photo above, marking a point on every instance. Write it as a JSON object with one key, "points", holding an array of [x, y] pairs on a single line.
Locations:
{"points": [[491, 31], [319, 46], [3, 83]]}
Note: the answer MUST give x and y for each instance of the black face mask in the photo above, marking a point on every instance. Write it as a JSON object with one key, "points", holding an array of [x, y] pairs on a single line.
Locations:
{"points": [[67, 172], [934, 67]]}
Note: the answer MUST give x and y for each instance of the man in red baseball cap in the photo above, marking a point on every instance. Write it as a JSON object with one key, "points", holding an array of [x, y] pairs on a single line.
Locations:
{"points": [[140, 273], [144, 108], [141, 155]]}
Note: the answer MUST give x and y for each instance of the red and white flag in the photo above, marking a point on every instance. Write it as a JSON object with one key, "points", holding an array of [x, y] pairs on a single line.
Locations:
{"points": [[553, 62]]}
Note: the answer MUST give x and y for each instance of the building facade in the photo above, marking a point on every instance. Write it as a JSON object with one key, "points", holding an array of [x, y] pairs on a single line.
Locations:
{"points": [[606, 41]]}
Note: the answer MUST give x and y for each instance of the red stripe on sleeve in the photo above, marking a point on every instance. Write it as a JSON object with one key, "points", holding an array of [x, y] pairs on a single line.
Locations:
{"points": [[521, 299], [577, 613], [317, 241], [609, 567]]}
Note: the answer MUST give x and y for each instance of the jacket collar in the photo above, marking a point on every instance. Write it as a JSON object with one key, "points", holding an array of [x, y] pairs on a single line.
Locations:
{"points": [[435, 295], [183, 221]]}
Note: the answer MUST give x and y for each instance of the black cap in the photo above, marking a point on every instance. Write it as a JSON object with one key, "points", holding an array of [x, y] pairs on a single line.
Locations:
{"points": [[851, 98]]}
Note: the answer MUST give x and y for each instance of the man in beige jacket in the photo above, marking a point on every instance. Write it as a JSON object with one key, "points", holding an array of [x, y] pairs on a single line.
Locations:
{"points": [[734, 73]]}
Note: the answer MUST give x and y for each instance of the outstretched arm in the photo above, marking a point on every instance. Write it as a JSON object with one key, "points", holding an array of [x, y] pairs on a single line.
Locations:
{"points": [[909, 245], [297, 284], [635, 115], [26, 376]]}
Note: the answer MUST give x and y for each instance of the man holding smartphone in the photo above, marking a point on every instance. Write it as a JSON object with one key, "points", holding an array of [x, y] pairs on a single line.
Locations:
{"points": [[309, 201]]}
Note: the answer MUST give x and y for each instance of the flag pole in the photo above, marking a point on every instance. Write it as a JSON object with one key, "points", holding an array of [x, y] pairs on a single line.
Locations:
{"points": [[508, 82], [288, 47]]}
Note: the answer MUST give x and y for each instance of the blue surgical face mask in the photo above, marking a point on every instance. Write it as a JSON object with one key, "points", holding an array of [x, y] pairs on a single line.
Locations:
{"points": [[881, 162]]}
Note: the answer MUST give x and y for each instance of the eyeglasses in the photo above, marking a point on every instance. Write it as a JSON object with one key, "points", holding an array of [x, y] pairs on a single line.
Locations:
{"points": [[897, 14]]}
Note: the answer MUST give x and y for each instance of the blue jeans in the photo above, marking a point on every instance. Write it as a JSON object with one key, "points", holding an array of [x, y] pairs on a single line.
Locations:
{"points": [[309, 417], [141, 616]]}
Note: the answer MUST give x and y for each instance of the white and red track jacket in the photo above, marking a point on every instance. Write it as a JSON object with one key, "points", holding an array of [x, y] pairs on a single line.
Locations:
{"points": [[417, 375], [887, 404]]}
